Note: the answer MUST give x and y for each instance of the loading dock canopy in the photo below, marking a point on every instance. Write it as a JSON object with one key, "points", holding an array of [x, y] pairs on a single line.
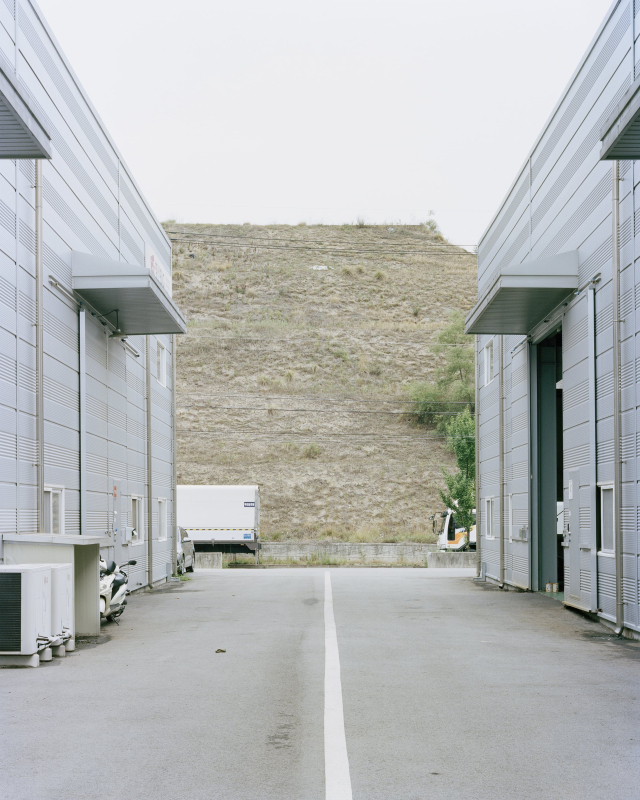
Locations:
{"points": [[142, 305], [524, 294], [22, 134], [620, 134]]}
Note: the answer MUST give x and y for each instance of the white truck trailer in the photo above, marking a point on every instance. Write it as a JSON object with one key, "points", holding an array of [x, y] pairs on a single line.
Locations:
{"points": [[222, 519]]}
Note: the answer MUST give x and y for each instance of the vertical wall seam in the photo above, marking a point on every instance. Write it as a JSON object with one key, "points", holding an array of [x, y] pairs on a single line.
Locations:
{"points": [[529, 465], [593, 443], [39, 348], [501, 449], [82, 404], [530, 212], [477, 476], [174, 469], [617, 464], [635, 337], [149, 469], [17, 273]]}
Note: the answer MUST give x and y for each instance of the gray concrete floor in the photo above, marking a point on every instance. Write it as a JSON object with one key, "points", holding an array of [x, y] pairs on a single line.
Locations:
{"points": [[451, 690]]}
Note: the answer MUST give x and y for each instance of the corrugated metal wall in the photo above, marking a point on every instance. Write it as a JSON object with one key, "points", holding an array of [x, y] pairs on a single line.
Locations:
{"points": [[561, 201], [91, 204]]}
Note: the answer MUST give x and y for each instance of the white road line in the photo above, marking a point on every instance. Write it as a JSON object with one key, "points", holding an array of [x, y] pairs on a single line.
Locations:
{"points": [[336, 760]]}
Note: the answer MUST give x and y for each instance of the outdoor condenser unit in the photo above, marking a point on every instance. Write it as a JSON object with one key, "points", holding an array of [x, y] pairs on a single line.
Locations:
{"points": [[62, 609], [25, 614]]}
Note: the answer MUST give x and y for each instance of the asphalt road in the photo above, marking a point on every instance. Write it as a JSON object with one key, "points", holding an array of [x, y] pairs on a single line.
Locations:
{"points": [[450, 691]]}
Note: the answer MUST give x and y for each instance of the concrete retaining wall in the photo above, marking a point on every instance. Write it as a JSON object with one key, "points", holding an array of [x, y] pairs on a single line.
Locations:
{"points": [[424, 555], [209, 560], [367, 553], [458, 560]]}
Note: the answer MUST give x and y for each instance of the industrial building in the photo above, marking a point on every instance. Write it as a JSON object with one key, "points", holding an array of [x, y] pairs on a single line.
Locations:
{"points": [[557, 336], [87, 328]]}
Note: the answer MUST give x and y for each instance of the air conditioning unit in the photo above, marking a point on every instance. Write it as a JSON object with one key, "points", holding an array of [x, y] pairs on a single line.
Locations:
{"points": [[62, 609], [25, 611]]}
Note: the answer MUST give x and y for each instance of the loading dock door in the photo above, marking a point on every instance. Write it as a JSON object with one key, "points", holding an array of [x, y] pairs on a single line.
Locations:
{"points": [[548, 459]]}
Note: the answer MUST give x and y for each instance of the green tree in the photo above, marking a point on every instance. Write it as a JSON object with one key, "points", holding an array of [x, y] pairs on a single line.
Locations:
{"points": [[460, 492], [456, 375], [434, 401]]}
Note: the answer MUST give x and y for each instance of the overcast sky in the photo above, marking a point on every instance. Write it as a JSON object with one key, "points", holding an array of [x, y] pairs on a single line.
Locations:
{"points": [[299, 110]]}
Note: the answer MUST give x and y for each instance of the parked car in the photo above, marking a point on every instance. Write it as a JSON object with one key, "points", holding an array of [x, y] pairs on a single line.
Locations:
{"points": [[186, 555]]}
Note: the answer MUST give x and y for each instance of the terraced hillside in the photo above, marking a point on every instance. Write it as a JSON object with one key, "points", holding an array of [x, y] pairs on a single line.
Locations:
{"points": [[302, 344]]}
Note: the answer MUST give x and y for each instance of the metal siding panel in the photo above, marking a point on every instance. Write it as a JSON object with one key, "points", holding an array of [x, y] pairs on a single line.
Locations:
{"points": [[82, 212], [593, 79], [60, 85], [581, 154], [514, 207], [586, 87], [73, 163], [71, 220], [584, 211], [514, 251]]}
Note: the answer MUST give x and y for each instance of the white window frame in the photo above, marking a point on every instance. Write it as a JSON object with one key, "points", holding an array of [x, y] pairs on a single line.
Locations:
{"points": [[49, 492], [602, 552], [138, 524], [162, 519], [510, 517], [161, 363], [489, 506], [488, 363]]}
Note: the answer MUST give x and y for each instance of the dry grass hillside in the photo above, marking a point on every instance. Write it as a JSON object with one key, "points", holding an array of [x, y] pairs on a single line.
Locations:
{"points": [[294, 374]]}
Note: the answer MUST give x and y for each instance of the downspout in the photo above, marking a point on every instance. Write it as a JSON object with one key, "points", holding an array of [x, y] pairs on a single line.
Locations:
{"points": [[82, 387], [149, 471], [174, 371], [477, 432], [39, 351], [501, 452], [593, 442], [617, 463]]}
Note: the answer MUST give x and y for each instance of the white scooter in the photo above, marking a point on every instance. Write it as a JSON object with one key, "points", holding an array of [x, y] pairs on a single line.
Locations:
{"points": [[113, 589]]}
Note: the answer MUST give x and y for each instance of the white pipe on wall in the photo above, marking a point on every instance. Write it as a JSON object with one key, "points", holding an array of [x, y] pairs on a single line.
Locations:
{"points": [[39, 350], [82, 389], [149, 470], [501, 449], [477, 432], [174, 371], [617, 432]]}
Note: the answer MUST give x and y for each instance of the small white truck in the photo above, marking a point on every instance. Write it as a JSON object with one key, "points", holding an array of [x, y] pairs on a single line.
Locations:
{"points": [[222, 519], [450, 535]]}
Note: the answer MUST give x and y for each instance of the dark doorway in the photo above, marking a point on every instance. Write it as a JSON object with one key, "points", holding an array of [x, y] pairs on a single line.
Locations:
{"points": [[550, 553]]}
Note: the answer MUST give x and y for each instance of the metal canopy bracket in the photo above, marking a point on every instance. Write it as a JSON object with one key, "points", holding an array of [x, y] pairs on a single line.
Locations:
{"points": [[523, 294], [142, 304], [620, 134], [22, 134]]}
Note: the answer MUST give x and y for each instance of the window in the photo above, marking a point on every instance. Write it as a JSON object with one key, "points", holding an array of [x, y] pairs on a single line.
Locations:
{"points": [[510, 518], [606, 519], [137, 520], [489, 521], [451, 530], [161, 364], [488, 363], [54, 510], [162, 519]]}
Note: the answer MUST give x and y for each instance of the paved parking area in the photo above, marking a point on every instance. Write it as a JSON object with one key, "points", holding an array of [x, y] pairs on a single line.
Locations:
{"points": [[450, 690]]}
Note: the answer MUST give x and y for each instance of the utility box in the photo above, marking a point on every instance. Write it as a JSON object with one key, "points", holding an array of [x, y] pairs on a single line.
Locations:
{"points": [[25, 611], [62, 607], [222, 519], [83, 552]]}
